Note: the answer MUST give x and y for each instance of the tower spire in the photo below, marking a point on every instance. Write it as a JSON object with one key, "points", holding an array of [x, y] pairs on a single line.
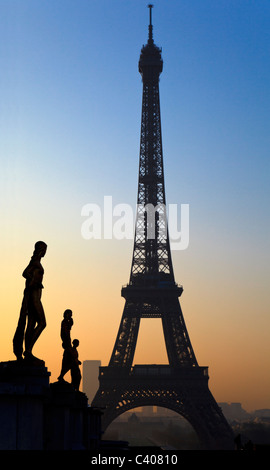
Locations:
{"points": [[150, 27]]}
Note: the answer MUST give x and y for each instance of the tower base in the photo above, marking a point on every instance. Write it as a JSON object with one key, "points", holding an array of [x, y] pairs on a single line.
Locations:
{"points": [[184, 390]]}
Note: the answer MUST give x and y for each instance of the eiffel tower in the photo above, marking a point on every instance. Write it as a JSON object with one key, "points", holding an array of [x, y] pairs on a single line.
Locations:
{"points": [[182, 385]]}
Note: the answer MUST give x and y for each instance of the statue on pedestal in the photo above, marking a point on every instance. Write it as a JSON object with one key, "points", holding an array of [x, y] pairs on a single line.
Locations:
{"points": [[70, 361], [32, 317], [66, 326], [75, 370]]}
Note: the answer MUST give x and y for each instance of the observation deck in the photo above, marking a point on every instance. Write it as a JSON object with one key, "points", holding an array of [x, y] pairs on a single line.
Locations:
{"points": [[158, 284], [156, 371]]}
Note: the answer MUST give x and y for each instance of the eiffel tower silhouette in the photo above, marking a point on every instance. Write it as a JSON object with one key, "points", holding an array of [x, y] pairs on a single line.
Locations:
{"points": [[182, 385]]}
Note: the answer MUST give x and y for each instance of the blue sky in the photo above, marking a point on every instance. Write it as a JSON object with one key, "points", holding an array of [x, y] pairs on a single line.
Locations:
{"points": [[71, 90], [70, 100], [71, 103]]}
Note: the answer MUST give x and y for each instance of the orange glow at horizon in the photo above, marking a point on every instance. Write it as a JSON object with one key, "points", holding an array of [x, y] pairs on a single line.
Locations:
{"points": [[90, 285]]}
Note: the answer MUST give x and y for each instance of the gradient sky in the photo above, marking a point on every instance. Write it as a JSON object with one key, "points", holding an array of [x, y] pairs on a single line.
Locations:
{"points": [[70, 109]]}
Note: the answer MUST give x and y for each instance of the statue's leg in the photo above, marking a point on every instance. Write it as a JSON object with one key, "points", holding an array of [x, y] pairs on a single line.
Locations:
{"points": [[30, 328], [66, 364], [76, 377], [36, 322], [19, 333]]}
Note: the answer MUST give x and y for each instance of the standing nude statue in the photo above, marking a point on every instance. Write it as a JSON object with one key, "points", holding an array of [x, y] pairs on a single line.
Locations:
{"points": [[75, 370], [66, 326], [70, 361], [32, 318]]}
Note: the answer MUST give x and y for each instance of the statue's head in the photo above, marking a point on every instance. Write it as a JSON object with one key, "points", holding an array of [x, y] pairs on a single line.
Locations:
{"points": [[67, 314], [75, 343], [40, 248]]}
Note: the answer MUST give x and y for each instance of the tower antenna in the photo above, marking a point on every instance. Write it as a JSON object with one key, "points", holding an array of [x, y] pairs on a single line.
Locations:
{"points": [[150, 6]]}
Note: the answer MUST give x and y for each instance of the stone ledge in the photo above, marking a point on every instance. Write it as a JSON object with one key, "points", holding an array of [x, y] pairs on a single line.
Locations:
{"points": [[22, 378]]}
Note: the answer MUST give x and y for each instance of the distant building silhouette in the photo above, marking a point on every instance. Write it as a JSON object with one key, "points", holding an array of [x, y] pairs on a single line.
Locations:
{"points": [[262, 413], [148, 411], [234, 411], [90, 378]]}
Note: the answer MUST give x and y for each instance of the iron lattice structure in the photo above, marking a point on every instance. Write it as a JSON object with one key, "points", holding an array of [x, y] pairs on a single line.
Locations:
{"points": [[152, 293]]}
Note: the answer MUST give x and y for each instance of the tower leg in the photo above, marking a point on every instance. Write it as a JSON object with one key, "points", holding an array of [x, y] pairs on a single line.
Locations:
{"points": [[126, 340]]}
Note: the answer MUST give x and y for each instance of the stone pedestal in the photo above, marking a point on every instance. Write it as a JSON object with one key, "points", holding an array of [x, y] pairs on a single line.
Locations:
{"points": [[23, 390], [37, 415], [66, 418], [93, 426]]}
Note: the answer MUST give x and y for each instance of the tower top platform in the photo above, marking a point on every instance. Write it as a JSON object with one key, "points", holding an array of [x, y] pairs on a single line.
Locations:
{"points": [[150, 58]]}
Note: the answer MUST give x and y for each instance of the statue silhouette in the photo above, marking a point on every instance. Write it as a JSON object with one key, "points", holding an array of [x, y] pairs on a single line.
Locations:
{"points": [[70, 359], [66, 326], [75, 370], [32, 318]]}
